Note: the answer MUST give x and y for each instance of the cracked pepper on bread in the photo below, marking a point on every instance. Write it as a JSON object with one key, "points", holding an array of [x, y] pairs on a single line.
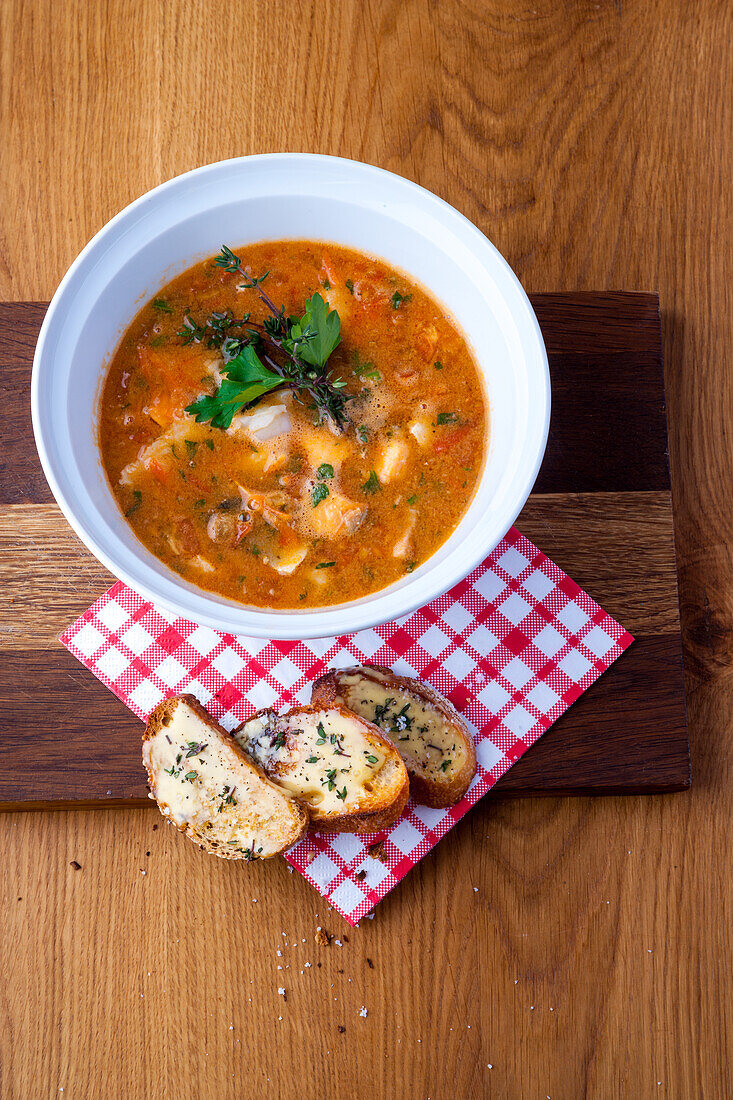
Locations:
{"points": [[427, 731], [340, 765], [208, 787]]}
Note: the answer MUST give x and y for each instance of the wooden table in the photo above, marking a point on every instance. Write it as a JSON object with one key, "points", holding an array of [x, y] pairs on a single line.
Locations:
{"points": [[563, 948]]}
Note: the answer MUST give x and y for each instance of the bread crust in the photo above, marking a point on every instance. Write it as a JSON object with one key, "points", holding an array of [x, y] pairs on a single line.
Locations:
{"points": [[366, 821], [298, 813], [427, 792]]}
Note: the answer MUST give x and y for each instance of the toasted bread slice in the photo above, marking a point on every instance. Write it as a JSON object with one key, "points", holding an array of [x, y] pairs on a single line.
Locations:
{"points": [[427, 731], [348, 774], [211, 790]]}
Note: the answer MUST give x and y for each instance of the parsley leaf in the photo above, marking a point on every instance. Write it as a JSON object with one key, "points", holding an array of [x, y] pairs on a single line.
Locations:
{"points": [[317, 333], [320, 492], [397, 299], [371, 485], [447, 418], [136, 503], [247, 380], [325, 470]]}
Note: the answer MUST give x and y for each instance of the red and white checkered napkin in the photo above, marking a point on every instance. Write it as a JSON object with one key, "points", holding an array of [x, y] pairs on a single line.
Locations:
{"points": [[512, 646]]}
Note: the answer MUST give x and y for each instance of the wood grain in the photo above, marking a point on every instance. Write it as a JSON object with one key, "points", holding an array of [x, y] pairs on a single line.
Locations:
{"points": [[592, 141], [627, 735]]}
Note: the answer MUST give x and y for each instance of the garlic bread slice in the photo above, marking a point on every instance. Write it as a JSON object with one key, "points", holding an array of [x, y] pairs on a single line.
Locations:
{"points": [[211, 790], [351, 777], [426, 730]]}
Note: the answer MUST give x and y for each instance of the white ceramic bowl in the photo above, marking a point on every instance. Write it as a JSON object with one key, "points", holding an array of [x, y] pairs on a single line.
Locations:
{"points": [[269, 197]]}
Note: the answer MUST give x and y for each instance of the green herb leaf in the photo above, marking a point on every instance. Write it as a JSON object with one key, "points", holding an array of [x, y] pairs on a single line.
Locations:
{"points": [[445, 765], [136, 503], [320, 492], [325, 564], [341, 794], [317, 333], [410, 566], [373, 759], [397, 299], [371, 485], [313, 759], [190, 776], [325, 470], [162, 306], [437, 365], [350, 286], [447, 418], [367, 370], [363, 433], [412, 499], [248, 379]]}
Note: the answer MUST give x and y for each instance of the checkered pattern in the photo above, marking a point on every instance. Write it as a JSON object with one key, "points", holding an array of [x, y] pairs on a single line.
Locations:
{"points": [[512, 646]]}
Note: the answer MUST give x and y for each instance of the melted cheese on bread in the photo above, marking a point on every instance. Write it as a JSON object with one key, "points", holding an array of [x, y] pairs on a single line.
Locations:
{"points": [[208, 788], [424, 737], [327, 758]]}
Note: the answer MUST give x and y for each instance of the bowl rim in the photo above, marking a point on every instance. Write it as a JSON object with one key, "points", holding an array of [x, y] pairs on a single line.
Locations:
{"points": [[318, 622]]}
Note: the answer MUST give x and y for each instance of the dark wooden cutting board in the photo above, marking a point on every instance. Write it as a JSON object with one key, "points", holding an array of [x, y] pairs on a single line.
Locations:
{"points": [[601, 508]]}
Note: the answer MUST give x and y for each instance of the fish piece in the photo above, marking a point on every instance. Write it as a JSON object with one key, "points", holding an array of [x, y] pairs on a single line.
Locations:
{"points": [[393, 459]]}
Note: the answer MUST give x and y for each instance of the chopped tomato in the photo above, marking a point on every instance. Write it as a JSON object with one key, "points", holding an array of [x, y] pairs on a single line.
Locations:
{"points": [[158, 471], [445, 442]]}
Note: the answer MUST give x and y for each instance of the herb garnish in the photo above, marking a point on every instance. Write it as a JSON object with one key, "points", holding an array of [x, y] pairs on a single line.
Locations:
{"points": [[195, 748], [371, 485], [136, 503], [341, 794], [320, 492], [325, 470], [397, 299], [447, 418], [284, 351], [162, 306], [325, 564]]}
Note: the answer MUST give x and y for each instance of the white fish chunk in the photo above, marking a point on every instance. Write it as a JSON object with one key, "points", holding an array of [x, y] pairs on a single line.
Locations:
{"points": [[393, 459], [269, 418]]}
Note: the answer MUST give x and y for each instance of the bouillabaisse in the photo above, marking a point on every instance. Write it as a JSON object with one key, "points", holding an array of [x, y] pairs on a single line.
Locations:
{"points": [[293, 425]]}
